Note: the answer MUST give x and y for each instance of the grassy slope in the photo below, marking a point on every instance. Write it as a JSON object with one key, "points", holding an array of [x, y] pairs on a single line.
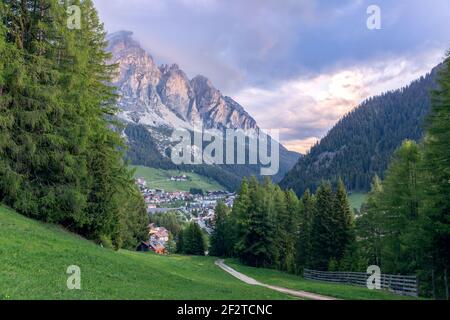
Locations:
{"points": [[158, 178], [347, 292], [357, 199], [34, 257]]}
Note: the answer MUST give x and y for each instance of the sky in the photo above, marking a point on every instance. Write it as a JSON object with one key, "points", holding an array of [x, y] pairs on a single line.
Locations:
{"points": [[295, 65]]}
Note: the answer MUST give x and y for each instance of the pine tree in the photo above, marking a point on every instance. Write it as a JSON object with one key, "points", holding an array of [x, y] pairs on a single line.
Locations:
{"points": [[287, 210], [193, 242], [220, 238], [304, 244], [323, 229], [239, 216], [345, 223], [180, 242], [370, 225]]}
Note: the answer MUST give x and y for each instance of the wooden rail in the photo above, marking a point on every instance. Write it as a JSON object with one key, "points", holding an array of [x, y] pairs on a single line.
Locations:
{"points": [[402, 285]]}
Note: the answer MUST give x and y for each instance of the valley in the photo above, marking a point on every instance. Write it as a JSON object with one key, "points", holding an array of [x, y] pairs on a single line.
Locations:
{"points": [[162, 179]]}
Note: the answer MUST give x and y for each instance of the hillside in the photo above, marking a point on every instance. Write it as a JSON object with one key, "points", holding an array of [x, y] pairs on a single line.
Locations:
{"points": [[361, 144], [35, 257], [160, 179]]}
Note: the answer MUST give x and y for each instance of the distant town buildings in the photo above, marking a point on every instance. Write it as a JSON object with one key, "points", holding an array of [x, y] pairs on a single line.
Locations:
{"points": [[157, 240], [195, 207]]}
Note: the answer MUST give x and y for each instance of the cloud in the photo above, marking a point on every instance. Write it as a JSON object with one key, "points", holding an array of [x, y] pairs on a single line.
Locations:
{"points": [[302, 146], [305, 108]]}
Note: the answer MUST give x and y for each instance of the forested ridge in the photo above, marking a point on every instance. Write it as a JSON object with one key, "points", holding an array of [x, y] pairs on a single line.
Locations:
{"points": [[60, 154], [361, 144]]}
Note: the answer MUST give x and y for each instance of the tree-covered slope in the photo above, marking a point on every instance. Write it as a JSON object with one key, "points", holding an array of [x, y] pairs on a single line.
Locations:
{"points": [[361, 144]]}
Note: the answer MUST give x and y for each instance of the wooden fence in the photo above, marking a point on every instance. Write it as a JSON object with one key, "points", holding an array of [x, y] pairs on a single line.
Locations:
{"points": [[402, 285]]}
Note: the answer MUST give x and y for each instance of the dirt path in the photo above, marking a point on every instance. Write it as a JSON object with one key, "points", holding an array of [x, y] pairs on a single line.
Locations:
{"points": [[251, 281]]}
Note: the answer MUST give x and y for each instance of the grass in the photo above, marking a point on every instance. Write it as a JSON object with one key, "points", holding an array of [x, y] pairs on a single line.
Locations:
{"points": [[357, 199], [160, 179], [34, 258], [281, 279]]}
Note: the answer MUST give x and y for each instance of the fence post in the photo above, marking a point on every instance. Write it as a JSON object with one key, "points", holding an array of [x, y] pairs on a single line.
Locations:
{"points": [[417, 286]]}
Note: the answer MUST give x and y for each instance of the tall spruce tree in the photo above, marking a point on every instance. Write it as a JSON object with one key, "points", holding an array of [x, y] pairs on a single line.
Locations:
{"points": [[220, 238], [370, 225], [239, 216], [287, 210], [193, 240], [304, 242], [323, 233], [345, 235]]}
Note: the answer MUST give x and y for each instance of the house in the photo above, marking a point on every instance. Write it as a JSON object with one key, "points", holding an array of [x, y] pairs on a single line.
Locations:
{"points": [[179, 178], [158, 238], [159, 234]]}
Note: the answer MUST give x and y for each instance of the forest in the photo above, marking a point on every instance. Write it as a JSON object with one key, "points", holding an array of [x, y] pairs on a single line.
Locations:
{"points": [[61, 154]]}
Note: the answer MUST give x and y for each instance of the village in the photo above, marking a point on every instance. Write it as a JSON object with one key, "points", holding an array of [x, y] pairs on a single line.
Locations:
{"points": [[194, 206]]}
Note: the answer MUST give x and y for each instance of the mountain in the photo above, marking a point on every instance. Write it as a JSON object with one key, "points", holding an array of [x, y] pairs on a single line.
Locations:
{"points": [[361, 144], [158, 96], [155, 100]]}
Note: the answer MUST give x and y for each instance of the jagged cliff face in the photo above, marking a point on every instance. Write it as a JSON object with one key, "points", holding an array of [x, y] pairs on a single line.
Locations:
{"points": [[163, 96]]}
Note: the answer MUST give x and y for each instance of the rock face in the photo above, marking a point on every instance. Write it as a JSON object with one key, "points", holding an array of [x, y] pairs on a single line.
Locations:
{"points": [[159, 96]]}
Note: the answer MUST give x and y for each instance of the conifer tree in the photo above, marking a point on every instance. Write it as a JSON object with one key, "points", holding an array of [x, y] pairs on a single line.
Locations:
{"points": [[220, 238], [345, 223], [370, 225], [401, 208], [323, 233], [286, 208], [193, 240], [257, 247], [304, 243], [239, 216]]}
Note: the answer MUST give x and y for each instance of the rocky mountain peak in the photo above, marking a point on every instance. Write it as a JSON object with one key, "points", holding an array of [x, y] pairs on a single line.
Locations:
{"points": [[174, 68], [165, 96]]}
